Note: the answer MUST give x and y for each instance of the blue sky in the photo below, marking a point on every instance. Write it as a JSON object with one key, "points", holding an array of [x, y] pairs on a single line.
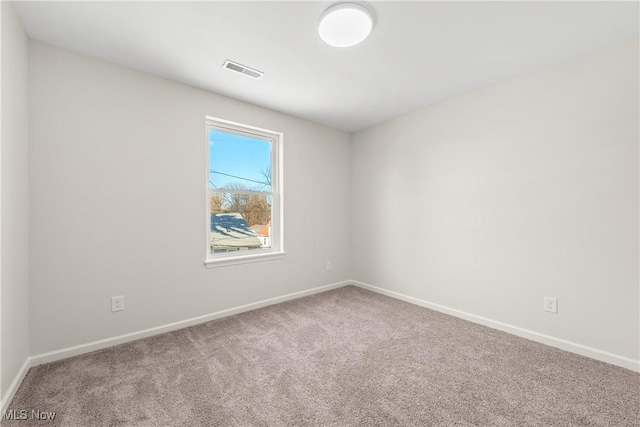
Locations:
{"points": [[237, 155]]}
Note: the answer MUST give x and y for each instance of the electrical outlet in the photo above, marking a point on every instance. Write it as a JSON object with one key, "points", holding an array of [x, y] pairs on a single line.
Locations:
{"points": [[328, 266], [551, 304], [117, 303]]}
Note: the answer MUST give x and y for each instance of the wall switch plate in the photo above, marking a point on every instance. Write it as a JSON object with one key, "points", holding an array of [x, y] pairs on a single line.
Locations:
{"points": [[551, 304], [117, 303], [328, 266]]}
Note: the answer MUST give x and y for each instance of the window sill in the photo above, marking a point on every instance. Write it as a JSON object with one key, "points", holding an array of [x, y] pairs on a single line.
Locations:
{"points": [[243, 259]]}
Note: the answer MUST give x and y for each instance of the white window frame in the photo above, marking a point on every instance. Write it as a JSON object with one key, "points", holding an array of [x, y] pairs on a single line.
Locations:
{"points": [[277, 223]]}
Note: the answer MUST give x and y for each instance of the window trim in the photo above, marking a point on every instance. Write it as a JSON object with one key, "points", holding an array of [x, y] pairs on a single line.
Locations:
{"points": [[277, 218]]}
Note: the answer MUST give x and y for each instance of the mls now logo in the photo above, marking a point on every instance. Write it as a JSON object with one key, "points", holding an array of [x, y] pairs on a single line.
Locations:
{"points": [[23, 414]]}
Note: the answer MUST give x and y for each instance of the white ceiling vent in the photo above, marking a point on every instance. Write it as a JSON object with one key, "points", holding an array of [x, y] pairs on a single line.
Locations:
{"points": [[234, 66]]}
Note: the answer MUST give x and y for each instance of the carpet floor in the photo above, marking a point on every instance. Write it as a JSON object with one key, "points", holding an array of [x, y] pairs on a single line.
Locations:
{"points": [[346, 357]]}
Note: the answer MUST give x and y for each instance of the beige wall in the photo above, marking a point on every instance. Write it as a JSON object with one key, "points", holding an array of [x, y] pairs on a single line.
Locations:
{"points": [[483, 204], [118, 176], [14, 199], [488, 202]]}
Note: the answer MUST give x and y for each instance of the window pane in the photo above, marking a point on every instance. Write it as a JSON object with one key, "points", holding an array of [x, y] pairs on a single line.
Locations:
{"points": [[244, 199], [238, 162], [240, 221]]}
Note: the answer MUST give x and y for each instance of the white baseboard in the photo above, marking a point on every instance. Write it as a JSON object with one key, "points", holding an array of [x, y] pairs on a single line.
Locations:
{"points": [[15, 384], [562, 344], [64, 353]]}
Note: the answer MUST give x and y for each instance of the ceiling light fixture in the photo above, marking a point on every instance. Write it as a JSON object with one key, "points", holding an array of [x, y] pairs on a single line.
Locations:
{"points": [[345, 24]]}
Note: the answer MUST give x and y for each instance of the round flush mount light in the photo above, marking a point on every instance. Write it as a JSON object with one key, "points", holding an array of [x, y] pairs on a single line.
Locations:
{"points": [[345, 24]]}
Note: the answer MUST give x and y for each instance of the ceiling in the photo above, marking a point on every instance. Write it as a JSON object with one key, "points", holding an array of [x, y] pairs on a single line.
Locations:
{"points": [[419, 53]]}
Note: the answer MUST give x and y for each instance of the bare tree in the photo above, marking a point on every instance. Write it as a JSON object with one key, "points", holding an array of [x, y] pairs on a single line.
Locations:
{"points": [[216, 203], [235, 202], [254, 208], [266, 174], [257, 210]]}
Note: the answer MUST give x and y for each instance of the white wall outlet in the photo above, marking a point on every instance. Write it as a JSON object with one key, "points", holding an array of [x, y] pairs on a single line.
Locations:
{"points": [[117, 303], [551, 304], [328, 266]]}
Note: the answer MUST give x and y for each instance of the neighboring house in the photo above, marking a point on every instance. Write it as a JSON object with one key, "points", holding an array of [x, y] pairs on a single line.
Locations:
{"points": [[230, 232], [264, 234]]}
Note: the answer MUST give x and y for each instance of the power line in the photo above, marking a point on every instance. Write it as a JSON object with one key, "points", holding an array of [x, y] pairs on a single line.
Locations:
{"points": [[238, 177]]}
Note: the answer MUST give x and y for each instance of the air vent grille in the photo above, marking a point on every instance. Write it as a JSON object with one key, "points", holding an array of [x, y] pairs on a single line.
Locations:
{"points": [[238, 68]]}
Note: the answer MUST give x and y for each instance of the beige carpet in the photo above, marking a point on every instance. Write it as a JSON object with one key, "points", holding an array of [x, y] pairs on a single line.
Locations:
{"points": [[346, 357]]}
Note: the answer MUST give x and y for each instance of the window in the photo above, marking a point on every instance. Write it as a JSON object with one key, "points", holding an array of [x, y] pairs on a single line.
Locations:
{"points": [[244, 193]]}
